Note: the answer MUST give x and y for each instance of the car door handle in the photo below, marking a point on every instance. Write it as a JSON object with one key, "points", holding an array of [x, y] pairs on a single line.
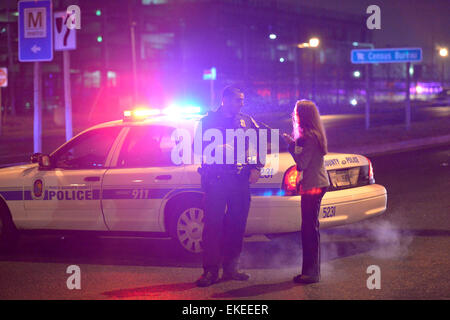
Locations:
{"points": [[164, 177], [92, 179]]}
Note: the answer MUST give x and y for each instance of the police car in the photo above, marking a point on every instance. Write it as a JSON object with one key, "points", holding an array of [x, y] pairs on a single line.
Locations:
{"points": [[119, 178]]}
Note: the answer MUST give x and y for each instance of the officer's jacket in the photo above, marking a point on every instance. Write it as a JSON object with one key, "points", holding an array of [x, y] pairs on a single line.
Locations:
{"points": [[218, 120], [309, 159]]}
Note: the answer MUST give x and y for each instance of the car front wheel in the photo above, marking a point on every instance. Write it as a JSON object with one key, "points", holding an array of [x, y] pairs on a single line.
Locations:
{"points": [[187, 227]]}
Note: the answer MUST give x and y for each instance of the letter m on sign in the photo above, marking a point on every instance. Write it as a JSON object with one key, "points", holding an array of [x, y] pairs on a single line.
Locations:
{"points": [[35, 23]]}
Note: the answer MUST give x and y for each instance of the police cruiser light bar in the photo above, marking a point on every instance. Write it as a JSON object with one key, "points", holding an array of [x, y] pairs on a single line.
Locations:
{"points": [[140, 114], [171, 111]]}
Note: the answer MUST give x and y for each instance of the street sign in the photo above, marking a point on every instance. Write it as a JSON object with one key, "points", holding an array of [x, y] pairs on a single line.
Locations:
{"points": [[3, 77], [65, 38], [386, 55], [209, 74], [35, 31]]}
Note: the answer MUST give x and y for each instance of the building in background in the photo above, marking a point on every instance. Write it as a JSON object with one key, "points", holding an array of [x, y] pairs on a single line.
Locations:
{"points": [[155, 52]]}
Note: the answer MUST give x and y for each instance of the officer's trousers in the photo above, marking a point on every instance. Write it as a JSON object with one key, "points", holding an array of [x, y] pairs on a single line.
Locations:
{"points": [[227, 202], [310, 204]]}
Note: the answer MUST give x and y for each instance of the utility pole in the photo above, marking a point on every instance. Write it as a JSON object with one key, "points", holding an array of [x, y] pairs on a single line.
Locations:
{"points": [[37, 125], [314, 76], [67, 95], [367, 96], [408, 101], [12, 88], [133, 50]]}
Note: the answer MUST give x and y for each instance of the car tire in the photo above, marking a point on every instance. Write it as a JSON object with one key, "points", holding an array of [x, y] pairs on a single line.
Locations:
{"points": [[186, 226], [8, 232]]}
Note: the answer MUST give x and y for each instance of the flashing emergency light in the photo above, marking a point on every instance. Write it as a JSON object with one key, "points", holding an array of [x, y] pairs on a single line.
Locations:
{"points": [[177, 110], [140, 113], [173, 111]]}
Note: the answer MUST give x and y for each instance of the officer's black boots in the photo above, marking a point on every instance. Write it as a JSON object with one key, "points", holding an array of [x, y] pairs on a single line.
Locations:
{"points": [[208, 278], [235, 275], [303, 278]]}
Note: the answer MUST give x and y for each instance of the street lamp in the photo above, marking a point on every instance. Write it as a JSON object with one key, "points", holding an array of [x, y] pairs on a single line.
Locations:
{"points": [[314, 42], [443, 52]]}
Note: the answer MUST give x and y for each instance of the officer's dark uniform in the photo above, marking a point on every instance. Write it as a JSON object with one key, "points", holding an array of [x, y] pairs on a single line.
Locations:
{"points": [[226, 188]]}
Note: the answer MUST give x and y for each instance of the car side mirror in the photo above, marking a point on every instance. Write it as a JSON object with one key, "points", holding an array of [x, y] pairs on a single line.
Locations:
{"points": [[44, 162]]}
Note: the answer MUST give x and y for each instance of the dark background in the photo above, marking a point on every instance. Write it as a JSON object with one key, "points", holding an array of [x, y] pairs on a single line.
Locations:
{"points": [[176, 40]]}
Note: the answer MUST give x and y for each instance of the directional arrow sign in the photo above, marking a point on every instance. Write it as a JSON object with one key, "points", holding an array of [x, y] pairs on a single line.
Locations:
{"points": [[35, 31], [65, 38], [35, 49]]}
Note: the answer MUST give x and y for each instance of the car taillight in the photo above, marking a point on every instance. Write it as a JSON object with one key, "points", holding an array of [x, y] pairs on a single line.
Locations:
{"points": [[371, 177], [290, 181]]}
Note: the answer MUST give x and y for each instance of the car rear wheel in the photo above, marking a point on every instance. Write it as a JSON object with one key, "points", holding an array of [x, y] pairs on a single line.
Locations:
{"points": [[187, 227]]}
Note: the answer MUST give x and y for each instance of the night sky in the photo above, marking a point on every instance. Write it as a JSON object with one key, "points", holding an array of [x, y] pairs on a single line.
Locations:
{"points": [[404, 23]]}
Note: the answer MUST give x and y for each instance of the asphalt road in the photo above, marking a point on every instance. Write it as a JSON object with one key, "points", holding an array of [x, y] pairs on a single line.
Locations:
{"points": [[410, 244], [19, 148]]}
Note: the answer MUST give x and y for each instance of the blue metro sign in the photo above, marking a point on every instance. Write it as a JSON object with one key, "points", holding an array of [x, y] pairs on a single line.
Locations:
{"points": [[35, 31], [386, 55]]}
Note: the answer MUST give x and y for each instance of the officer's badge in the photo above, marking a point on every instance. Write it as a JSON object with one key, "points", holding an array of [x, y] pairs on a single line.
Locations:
{"points": [[243, 123], [38, 189]]}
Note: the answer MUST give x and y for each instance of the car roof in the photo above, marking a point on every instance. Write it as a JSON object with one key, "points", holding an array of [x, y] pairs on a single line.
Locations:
{"points": [[158, 120]]}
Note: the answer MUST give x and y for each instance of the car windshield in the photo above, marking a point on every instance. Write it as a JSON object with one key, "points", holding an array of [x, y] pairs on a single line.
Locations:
{"points": [[88, 150], [147, 146]]}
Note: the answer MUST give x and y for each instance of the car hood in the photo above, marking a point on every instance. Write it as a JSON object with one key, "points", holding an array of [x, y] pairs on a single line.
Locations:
{"points": [[12, 176]]}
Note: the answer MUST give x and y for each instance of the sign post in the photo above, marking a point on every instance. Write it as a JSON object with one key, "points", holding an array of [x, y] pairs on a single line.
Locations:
{"points": [[3, 83], [65, 39], [408, 101], [210, 74], [399, 55], [367, 96], [37, 124], [35, 44]]}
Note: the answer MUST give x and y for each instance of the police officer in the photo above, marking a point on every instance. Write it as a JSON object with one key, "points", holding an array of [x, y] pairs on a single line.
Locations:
{"points": [[227, 188]]}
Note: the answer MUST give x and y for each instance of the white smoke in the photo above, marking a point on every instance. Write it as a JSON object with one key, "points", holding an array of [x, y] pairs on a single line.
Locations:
{"points": [[380, 239], [390, 241]]}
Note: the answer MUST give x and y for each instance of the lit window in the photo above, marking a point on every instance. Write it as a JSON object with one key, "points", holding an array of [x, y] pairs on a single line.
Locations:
{"points": [[111, 78], [148, 2], [92, 79]]}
